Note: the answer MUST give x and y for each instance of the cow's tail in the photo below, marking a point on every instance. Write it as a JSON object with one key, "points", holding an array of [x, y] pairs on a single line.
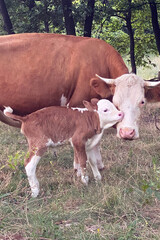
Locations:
{"points": [[8, 111]]}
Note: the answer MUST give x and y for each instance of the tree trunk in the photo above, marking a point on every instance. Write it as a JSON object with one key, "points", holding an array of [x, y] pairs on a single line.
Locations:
{"points": [[131, 36], [68, 17], [46, 23], [31, 4], [89, 18], [6, 18], [155, 24]]}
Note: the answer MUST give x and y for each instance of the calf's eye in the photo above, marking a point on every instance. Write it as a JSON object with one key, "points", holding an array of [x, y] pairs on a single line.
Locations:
{"points": [[106, 110]]}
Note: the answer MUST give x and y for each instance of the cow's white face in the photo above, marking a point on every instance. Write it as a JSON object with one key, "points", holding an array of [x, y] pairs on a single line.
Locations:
{"points": [[128, 97]]}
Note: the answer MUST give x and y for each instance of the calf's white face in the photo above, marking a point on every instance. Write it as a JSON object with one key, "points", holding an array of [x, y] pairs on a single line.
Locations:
{"points": [[108, 114]]}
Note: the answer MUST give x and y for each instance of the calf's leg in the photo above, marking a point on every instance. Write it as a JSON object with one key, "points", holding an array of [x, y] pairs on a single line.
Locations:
{"points": [[30, 167], [31, 174], [76, 164], [91, 154], [81, 157], [98, 156]]}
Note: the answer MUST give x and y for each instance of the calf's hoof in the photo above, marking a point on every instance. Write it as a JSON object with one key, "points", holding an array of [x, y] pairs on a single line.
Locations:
{"points": [[77, 169], [35, 192], [98, 178], [85, 180], [100, 166]]}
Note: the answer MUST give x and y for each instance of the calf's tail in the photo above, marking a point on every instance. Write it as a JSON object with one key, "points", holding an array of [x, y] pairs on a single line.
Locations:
{"points": [[9, 121], [8, 111]]}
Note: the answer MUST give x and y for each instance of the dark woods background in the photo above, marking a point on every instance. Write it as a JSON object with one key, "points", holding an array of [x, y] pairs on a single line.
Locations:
{"points": [[131, 26]]}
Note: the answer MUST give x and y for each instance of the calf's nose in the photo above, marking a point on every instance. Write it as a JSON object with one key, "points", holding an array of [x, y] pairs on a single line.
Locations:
{"points": [[121, 114], [127, 133]]}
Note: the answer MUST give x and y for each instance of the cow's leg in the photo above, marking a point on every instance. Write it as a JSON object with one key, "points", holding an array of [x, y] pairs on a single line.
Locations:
{"points": [[98, 156], [92, 158], [30, 167]]}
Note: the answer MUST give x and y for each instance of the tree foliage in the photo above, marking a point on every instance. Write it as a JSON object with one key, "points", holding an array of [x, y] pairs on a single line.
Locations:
{"points": [[131, 26]]}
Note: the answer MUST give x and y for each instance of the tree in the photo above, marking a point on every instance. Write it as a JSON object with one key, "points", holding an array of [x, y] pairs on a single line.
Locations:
{"points": [[130, 26], [155, 24], [6, 18], [31, 4], [68, 17], [124, 11], [128, 15], [89, 18]]}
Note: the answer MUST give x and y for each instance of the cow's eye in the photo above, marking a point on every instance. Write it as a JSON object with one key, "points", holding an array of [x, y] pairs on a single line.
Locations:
{"points": [[106, 110], [141, 103]]}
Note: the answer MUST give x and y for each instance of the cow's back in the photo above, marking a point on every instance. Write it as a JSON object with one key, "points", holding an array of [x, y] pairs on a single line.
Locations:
{"points": [[39, 70]]}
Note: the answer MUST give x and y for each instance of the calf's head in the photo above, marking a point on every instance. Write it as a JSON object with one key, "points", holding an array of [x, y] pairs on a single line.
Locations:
{"points": [[128, 93], [108, 113]]}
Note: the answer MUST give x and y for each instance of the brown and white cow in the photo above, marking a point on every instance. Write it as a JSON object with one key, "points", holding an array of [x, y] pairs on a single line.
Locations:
{"points": [[53, 125], [41, 70]]}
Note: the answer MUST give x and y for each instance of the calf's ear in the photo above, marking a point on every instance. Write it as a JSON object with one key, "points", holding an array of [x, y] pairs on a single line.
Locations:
{"points": [[94, 102], [91, 106]]}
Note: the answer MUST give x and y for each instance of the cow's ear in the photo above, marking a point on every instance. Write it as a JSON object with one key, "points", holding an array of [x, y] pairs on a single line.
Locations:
{"points": [[152, 94], [91, 106], [94, 102], [101, 88]]}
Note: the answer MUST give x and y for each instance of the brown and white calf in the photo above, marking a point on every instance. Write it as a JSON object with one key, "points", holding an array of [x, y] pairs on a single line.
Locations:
{"points": [[51, 126]]}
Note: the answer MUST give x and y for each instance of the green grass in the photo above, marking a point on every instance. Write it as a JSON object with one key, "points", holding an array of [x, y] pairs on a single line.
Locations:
{"points": [[152, 71]]}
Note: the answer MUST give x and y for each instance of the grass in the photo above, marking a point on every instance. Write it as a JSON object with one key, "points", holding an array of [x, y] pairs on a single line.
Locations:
{"points": [[151, 72], [125, 206]]}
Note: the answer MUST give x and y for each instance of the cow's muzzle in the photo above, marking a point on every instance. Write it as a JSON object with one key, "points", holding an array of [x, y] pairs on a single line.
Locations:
{"points": [[127, 133]]}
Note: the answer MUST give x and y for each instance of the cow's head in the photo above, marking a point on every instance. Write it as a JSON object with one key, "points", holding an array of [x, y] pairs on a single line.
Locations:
{"points": [[128, 93]]}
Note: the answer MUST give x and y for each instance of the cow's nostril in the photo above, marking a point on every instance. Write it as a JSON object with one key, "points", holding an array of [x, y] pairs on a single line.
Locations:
{"points": [[131, 132], [127, 133]]}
